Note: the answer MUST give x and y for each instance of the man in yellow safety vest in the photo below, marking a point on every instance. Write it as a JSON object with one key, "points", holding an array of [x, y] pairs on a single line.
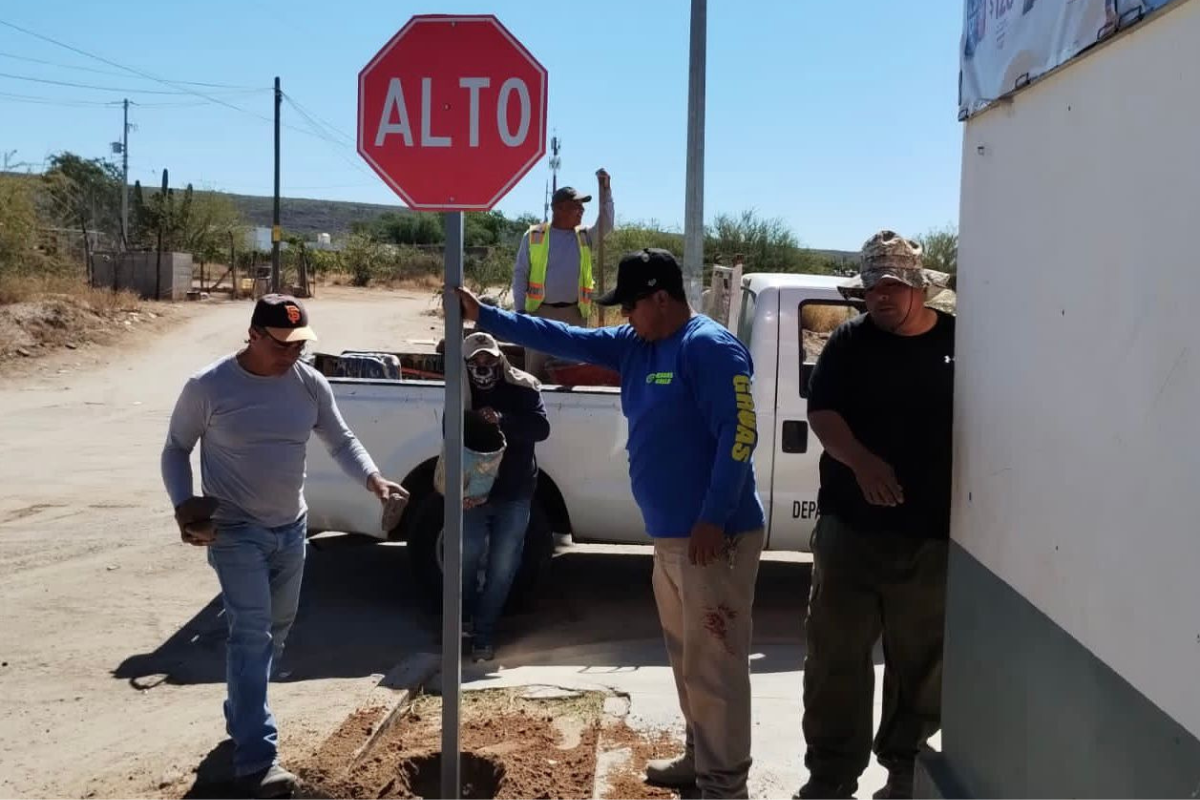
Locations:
{"points": [[553, 276]]}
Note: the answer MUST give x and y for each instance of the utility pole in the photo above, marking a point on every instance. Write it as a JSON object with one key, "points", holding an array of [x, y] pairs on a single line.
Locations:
{"points": [[125, 178], [122, 147], [693, 209], [276, 230], [163, 222], [546, 204]]}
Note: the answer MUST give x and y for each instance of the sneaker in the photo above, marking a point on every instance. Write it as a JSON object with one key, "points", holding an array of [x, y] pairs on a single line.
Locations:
{"points": [[483, 652], [899, 786], [825, 790], [679, 771], [272, 782]]}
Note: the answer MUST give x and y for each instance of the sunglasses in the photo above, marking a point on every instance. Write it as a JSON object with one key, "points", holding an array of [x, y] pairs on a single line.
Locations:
{"points": [[286, 347]]}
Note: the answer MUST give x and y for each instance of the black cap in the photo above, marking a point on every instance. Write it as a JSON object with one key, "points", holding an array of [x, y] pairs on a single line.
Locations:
{"points": [[570, 193], [644, 272], [283, 317]]}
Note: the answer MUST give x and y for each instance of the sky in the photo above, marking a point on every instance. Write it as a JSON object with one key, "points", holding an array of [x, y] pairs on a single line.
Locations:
{"points": [[840, 118]]}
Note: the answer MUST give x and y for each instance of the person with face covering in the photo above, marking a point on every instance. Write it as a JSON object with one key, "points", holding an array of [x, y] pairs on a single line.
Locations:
{"points": [[686, 392], [511, 399]]}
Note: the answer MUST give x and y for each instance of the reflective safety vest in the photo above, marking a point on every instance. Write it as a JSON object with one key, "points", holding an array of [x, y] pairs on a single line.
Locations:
{"points": [[539, 258]]}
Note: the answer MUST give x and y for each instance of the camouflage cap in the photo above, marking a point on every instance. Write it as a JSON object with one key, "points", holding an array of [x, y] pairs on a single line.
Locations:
{"points": [[887, 254]]}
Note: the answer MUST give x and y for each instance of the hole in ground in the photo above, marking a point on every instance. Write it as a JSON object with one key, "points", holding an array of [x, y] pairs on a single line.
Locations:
{"points": [[480, 776]]}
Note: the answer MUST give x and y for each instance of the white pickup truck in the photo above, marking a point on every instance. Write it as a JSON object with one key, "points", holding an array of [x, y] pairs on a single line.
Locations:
{"points": [[583, 489]]}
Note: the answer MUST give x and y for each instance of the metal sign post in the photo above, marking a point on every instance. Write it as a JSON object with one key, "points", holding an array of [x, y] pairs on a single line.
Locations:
{"points": [[452, 114], [693, 210], [452, 528]]}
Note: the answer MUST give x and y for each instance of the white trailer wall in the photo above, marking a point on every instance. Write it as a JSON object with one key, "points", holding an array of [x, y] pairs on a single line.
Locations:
{"points": [[1073, 634]]}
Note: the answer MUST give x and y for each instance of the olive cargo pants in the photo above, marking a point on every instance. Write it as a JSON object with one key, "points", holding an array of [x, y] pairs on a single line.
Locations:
{"points": [[865, 584]]}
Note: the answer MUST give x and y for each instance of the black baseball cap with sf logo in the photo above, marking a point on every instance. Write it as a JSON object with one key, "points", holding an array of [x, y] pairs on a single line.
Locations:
{"points": [[642, 273], [283, 317]]}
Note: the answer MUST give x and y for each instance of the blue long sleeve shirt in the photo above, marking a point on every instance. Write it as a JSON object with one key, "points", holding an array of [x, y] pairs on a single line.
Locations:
{"points": [[690, 412]]}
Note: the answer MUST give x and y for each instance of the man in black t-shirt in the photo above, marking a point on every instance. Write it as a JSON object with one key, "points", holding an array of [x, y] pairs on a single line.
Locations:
{"points": [[880, 401]]}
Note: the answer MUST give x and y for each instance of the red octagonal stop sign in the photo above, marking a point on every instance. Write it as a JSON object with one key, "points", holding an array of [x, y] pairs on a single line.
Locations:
{"points": [[452, 112]]}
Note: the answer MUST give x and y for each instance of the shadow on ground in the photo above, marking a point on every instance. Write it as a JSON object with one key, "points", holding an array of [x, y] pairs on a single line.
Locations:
{"points": [[214, 776], [360, 614]]}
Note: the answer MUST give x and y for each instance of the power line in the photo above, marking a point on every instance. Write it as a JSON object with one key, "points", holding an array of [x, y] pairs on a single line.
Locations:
{"points": [[138, 72], [332, 128], [111, 72], [340, 145], [106, 88], [50, 101], [78, 103]]}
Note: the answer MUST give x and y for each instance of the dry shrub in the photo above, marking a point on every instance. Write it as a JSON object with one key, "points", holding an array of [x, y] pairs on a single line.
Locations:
{"points": [[32, 288], [824, 318]]}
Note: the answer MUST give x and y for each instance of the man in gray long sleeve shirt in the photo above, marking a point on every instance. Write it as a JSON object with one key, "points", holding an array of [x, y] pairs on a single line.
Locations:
{"points": [[253, 413], [552, 273]]}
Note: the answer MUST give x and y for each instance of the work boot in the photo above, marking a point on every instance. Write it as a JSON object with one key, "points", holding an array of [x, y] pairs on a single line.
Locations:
{"points": [[899, 786], [680, 771], [272, 782], [825, 790]]}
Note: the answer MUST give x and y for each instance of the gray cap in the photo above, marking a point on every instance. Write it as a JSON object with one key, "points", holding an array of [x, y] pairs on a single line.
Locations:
{"points": [[570, 193]]}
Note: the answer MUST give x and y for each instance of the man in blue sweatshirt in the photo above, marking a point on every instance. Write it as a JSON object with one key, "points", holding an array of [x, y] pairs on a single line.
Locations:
{"points": [[686, 394]]}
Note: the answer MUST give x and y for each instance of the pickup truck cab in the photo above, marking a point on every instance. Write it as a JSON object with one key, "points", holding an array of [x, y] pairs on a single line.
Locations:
{"points": [[583, 489]]}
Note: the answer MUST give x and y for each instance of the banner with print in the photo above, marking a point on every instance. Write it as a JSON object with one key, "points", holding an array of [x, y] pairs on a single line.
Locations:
{"points": [[1006, 43]]}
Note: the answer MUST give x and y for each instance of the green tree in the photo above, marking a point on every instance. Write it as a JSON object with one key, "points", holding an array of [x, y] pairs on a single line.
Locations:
{"points": [[767, 245], [204, 223], [18, 225], [941, 249], [364, 257], [85, 194]]}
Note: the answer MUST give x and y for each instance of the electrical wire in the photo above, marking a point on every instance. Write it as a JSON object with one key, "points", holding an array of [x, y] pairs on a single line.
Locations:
{"points": [[339, 133], [120, 74], [137, 72], [107, 88]]}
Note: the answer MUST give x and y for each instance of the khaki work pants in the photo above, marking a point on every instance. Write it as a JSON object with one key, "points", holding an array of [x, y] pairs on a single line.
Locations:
{"points": [[865, 585], [705, 614], [535, 362]]}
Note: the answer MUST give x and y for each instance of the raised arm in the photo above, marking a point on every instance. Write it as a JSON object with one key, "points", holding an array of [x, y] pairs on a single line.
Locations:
{"points": [[601, 346], [606, 217]]}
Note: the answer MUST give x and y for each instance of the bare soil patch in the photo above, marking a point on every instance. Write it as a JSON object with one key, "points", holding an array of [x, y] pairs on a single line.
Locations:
{"points": [[513, 746], [41, 316], [628, 780]]}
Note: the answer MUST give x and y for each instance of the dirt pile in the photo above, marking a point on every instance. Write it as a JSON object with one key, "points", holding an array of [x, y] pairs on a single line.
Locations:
{"points": [[513, 746], [36, 327]]}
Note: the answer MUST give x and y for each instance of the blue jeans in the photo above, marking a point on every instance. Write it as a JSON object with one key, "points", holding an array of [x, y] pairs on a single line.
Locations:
{"points": [[498, 528], [260, 570]]}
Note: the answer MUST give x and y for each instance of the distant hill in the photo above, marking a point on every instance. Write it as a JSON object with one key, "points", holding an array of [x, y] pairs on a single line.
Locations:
{"points": [[307, 216], [335, 217]]}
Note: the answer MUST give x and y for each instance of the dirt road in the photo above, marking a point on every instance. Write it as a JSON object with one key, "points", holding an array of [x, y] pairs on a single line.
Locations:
{"points": [[91, 570], [111, 635]]}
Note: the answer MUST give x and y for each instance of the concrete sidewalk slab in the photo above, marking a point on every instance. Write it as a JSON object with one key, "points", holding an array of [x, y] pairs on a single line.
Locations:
{"points": [[778, 747]]}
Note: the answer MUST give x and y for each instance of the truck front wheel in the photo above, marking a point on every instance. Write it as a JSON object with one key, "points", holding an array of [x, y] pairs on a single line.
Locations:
{"points": [[425, 552]]}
